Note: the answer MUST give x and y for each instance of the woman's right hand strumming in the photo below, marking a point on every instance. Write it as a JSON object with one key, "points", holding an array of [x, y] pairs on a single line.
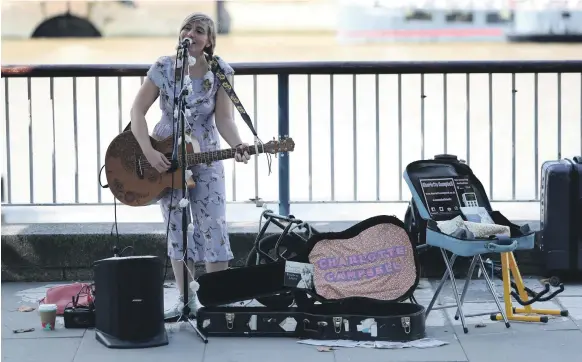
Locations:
{"points": [[157, 160]]}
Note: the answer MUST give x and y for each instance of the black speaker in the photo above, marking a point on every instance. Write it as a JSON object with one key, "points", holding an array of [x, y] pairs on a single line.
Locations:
{"points": [[129, 302]]}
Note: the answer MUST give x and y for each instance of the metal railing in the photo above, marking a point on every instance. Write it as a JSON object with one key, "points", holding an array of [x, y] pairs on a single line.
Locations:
{"points": [[500, 116]]}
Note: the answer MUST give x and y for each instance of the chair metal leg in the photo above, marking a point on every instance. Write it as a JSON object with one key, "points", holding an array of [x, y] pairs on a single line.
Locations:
{"points": [[441, 283], [467, 282], [493, 292], [477, 261], [455, 291]]}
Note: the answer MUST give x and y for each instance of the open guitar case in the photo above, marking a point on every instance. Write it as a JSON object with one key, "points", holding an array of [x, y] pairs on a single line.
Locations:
{"points": [[347, 285]]}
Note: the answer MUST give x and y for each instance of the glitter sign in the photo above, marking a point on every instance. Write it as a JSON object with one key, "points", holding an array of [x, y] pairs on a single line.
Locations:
{"points": [[357, 266]]}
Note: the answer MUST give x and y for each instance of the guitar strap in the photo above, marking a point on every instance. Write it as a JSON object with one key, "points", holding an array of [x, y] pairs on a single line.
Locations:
{"points": [[215, 68], [225, 84]]}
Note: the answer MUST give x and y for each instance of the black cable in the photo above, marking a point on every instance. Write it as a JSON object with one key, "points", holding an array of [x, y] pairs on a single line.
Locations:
{"points": [[124, 249]]}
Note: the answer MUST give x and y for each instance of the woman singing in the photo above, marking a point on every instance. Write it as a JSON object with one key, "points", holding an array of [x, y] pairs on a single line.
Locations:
{"points": [[209, 113]]}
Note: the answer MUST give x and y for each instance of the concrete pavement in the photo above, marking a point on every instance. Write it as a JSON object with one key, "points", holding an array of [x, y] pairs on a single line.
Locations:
{"points": [[560, 338]]}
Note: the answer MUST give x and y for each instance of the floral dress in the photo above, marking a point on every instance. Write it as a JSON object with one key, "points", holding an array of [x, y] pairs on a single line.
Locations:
{"points": [[207, 231]]}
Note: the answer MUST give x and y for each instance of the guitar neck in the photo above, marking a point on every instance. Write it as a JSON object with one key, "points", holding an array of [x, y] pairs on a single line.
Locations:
{"points": [[211, 156]]}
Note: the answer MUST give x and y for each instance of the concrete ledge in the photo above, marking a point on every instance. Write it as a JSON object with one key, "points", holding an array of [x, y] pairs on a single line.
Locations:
{"points": [[65, 252]]}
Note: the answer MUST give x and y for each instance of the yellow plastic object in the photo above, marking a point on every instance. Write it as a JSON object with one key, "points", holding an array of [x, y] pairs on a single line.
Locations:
{"points": [[509, 268]]}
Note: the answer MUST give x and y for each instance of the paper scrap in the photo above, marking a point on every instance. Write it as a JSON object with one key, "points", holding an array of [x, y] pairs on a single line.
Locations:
{"points": [[419, 343], [23, 330], [366, 325], [25, 308], [289, 324]]}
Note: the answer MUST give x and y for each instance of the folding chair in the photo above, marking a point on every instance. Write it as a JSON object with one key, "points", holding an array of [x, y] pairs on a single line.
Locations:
{"points": [[444, 186]]}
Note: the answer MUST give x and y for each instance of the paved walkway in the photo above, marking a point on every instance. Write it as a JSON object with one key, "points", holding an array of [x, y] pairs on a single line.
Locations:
{"points": [[560, 338]]}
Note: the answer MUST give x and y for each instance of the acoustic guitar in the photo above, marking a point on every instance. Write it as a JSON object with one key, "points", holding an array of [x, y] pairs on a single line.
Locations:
{"points": [[134, 182]]}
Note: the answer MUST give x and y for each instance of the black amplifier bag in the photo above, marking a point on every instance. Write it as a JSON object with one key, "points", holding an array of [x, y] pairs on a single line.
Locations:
{"points": [[240, 284], [374, 259]]}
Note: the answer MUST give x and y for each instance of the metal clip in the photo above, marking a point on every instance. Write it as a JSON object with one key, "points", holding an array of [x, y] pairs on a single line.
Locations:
{"points": [[320, 326], [337, 324], [229, 320], [405, 324]]}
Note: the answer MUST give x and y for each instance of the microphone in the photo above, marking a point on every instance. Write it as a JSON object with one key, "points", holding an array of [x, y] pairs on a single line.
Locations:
{"points": [[186, 43]]}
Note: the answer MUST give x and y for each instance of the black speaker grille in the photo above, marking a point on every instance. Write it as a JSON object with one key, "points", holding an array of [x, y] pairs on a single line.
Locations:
{"points": [[129, 297]]}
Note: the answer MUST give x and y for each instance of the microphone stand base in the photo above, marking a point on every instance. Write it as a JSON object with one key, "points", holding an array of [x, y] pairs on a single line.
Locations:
{"points": [[193, 324]]}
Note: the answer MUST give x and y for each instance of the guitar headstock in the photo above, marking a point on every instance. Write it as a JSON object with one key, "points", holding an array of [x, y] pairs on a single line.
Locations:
{"points": [[282, 145]]}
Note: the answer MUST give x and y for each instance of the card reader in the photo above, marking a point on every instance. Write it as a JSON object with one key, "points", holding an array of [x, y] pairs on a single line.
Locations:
{"points": [[470, 199]]}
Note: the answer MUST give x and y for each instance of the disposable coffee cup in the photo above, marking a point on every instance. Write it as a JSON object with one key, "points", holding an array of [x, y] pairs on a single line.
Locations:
{"points": [[48, 316]]}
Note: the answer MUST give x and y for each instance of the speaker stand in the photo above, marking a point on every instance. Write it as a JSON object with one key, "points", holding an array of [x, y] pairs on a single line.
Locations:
{"points": [[161, 339]]}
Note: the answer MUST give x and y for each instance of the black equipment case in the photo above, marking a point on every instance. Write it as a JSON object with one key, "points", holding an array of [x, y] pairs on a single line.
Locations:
{"points": [[218, 289], [336, 320], [362, 319], [561, 215], [446, 175], [353, 316], [248, 321]]}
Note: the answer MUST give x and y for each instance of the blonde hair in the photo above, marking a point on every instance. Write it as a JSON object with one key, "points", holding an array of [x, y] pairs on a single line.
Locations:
{"points": [[209, 23]]}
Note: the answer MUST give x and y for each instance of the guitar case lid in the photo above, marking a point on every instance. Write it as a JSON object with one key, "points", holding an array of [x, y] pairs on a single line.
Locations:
{"points": [[373, 259]]}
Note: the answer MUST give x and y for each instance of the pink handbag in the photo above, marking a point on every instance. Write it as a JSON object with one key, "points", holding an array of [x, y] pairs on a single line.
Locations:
{"points": [[69, 295]]}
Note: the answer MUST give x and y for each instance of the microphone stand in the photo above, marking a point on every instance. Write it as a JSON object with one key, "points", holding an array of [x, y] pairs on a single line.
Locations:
{"points": [[183, 164]]}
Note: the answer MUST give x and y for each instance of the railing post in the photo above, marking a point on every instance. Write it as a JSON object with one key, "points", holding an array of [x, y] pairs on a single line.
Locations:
{"points": [[283, 88]]}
